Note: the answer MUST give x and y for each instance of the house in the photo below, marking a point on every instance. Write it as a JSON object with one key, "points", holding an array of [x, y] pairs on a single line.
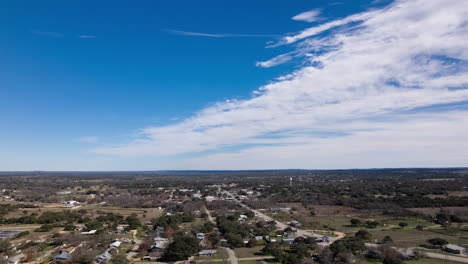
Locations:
{"points": [[454, 249], [91, 232], [64, 256], [283, 209], [159, 229], [160, 239], [104, 257], [289, 240], [210, 198], [207, 252], [294, 223], [120, 229], [258, 238], [153, 256], [242, 217], [200, 236], [116, 244], [158, 247]]}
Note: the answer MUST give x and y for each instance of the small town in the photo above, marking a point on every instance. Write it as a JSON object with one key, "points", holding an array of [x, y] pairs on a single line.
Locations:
{"points": [[98, 220]]}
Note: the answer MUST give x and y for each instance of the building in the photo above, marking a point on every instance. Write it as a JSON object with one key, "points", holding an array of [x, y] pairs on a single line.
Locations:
{"points": [[210, 198], [158, 247], [455, 249], [116, 244], [207, 252], [160, 239], [283, 209], [200, 236], [104, 257], [295, 223], [64, 256], [91, 232]]}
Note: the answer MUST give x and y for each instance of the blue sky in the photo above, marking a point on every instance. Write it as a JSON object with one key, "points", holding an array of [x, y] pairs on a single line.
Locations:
{"points": [[99, 85]]}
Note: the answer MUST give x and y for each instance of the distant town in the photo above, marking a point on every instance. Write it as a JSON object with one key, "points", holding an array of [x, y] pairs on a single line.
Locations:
{"points": [[412, 216]]}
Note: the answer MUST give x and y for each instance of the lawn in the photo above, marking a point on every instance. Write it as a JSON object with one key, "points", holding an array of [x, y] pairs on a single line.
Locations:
{"points": [[419, 261], [249, 252], [221, 254], [411, 237], [269, 261]]}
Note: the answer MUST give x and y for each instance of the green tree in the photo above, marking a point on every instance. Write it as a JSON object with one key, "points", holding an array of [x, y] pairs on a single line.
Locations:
{"points": [[403, 224], [355, 222], [182, 247], [363, 235], [4, 246], [438, 242], [387, 240]]}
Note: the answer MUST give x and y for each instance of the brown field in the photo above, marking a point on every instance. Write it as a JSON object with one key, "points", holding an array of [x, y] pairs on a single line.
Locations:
{"points": [[461, 211], [324, 210]]}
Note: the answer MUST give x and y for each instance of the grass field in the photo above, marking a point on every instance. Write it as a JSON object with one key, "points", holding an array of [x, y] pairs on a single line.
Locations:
{"points": [[249, 252], [419, 261], [412, 237], [221, 254], [269, 261]]}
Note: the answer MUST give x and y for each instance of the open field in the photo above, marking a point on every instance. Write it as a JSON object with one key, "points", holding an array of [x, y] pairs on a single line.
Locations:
{"points": [[413, 237], [249, 252], [221, 254], [419, 261]]}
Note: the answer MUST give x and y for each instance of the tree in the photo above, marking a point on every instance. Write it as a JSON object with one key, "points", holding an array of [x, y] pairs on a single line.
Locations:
{"points": [[168, 232], [390, 255], [133, 221], [182, 247], [4, 246], [119, 259], [252, 242], [402, 224], [214, 239], [437, 242], [235, 240], [355, 222], [387, 240], [363, 235]]}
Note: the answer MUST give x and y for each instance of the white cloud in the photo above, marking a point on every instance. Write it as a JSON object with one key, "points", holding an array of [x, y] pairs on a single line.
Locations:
{"points": [[348, 104], [222, 35], [86, 36], [309, 16], [90, 139]]}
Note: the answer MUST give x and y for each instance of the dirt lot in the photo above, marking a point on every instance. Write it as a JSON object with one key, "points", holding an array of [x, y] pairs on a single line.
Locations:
{"points": [[324, 210], [460, 211]]}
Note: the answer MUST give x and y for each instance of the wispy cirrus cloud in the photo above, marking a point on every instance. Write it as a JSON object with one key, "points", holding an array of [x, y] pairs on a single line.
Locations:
{"points": [[223, 35], [309, 16], [368, 93], [86, 36]]}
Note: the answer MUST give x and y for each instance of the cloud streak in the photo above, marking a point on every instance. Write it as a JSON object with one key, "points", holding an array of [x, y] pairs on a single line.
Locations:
{"points": [[200, 34], [309, 16], [368, 93], [86, 36]]}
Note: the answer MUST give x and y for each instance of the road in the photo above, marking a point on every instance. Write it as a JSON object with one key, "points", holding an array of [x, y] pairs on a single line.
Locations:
{"points": [[426, 253], [232, 256], [210, 217], [282, 225], [447, 257], [134, 251]]}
